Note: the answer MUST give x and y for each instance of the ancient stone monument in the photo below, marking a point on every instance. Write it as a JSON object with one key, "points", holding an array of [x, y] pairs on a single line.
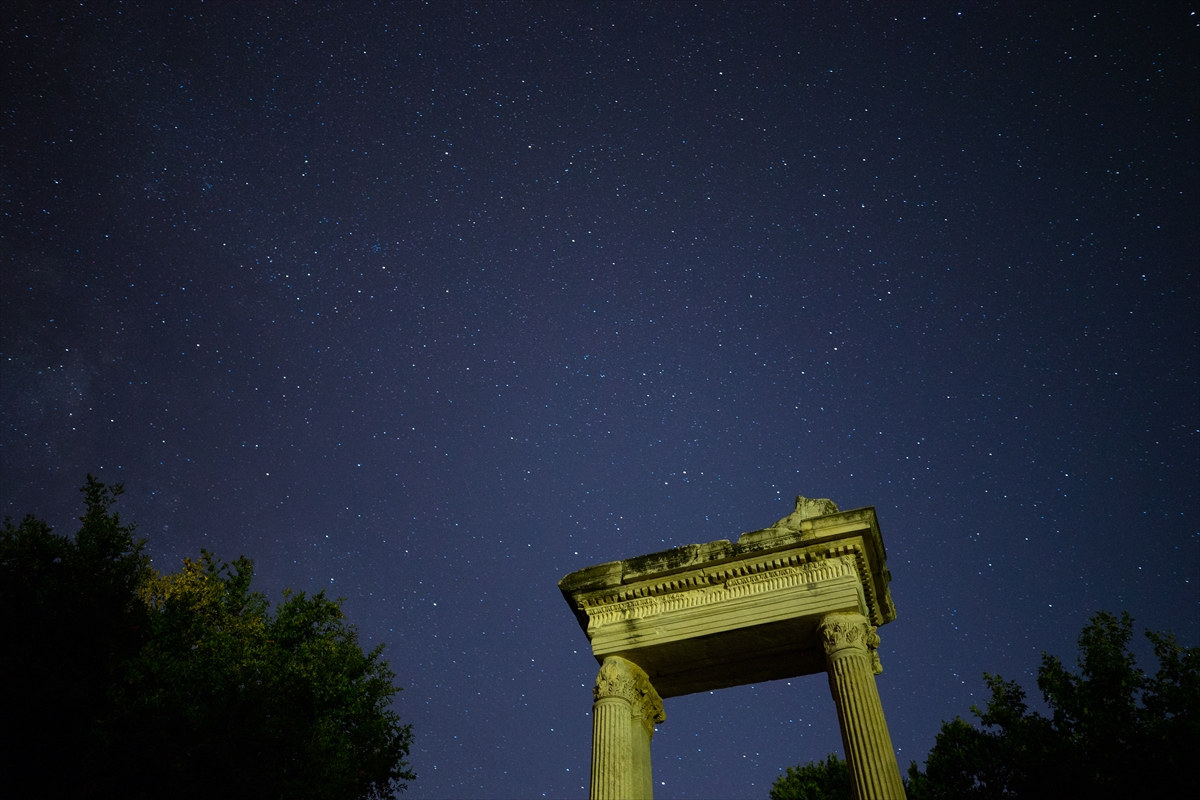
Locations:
{"points": [[802, 596]]}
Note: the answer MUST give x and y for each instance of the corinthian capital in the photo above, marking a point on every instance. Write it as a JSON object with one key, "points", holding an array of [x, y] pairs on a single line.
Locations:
{"points": [[847, 631], [624, 679]]}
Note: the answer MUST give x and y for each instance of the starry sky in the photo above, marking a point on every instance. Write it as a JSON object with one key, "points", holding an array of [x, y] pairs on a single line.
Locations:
{"points": [[427, 306]]}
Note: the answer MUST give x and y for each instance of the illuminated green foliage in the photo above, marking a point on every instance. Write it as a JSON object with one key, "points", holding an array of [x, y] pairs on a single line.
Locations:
{"points": [[130, 682]]}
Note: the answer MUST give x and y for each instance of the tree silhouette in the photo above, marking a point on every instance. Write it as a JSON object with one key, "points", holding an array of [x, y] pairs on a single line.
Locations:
{"points": [[1112, 731], [123, 681]]}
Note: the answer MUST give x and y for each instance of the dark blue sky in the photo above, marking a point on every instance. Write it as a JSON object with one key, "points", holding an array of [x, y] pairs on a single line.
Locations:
{"points": [[428, 306]]}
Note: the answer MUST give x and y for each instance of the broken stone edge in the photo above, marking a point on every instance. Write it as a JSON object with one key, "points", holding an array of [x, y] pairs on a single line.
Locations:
{"points": [[821, 537]]}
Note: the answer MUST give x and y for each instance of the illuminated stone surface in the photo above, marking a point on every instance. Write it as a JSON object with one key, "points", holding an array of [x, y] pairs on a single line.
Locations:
{"points": [[850, 643], [709, 616], [625, 711]]}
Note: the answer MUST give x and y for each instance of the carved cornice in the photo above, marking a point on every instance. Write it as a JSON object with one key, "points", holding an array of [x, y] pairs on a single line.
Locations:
{"points": [[703, 566], [621, 678], [721, 613], [850, 632], [742, 580]]}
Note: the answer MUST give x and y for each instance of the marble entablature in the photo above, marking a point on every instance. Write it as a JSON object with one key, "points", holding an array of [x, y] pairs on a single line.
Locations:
{"points": [[801, 596]]}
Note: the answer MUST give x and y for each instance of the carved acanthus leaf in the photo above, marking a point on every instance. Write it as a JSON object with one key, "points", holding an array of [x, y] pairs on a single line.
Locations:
{"points": [[842, 631], [619, 677]]}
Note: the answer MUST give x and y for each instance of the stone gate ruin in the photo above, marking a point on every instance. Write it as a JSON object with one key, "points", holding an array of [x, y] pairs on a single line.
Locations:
{"points": [[802, 596]]}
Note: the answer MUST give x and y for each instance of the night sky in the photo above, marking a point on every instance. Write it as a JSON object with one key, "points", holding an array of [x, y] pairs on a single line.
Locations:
{"points": [[427, 306]]}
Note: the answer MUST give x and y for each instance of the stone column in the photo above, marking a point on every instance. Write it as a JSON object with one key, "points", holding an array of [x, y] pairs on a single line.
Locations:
{"points": [[623, 718], [852, 664]]}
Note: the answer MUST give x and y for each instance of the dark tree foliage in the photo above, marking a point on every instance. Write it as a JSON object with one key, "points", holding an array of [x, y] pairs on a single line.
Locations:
{"points": [[134, 683], [1112, 731], [822, 780], [71, 619]]}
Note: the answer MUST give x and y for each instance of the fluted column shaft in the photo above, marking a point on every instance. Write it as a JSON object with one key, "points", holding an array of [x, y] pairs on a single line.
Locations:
{"points": [[641, 731], [623, 717], [849, 643], [612, 749]]}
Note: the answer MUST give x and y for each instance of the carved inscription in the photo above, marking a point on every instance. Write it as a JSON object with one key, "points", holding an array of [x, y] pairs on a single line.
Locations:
{"points": [[742, 586]]}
